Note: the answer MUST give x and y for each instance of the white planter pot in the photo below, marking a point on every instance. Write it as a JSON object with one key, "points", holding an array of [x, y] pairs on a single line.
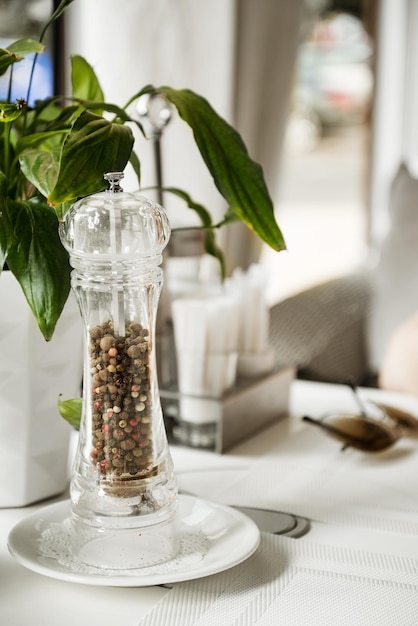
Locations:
{"points": [[34, 440]]}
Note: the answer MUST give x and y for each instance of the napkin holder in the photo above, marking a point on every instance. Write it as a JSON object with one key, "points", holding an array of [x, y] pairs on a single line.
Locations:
{"points": [[246, 409]]}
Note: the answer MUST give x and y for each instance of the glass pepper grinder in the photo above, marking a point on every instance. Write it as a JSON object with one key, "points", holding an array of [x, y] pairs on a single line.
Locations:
{"points": [[123, 489]]}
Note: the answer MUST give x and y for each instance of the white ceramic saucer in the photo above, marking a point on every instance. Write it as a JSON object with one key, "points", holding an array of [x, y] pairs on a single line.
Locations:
{"points": [[214, 538]]}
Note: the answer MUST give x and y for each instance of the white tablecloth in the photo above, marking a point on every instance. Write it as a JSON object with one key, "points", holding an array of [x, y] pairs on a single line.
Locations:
{"points": [[298, 583], [362, 548]]}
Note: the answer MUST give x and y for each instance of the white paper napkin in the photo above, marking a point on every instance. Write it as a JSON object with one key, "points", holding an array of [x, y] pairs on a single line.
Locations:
{"points": [[297, 583], [249, 290], [206, 335]]}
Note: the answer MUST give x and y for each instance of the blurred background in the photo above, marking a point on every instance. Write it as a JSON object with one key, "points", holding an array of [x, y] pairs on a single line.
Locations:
{"points": [[319, 90], [321, 198]]}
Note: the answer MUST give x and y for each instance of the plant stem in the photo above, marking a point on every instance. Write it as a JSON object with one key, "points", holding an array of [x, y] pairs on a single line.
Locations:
{"points": [[9, 89], [32, 71], [6, 144], [58, 11]]}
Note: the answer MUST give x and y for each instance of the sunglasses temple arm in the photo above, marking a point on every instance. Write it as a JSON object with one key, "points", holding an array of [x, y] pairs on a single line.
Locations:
{"points": [[358, 399]]}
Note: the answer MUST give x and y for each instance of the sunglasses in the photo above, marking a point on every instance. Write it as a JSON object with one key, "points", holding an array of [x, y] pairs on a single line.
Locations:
{"points": [[365, 432]]}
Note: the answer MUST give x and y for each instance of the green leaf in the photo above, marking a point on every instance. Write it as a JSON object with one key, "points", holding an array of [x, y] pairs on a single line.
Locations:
{"points": [[62, 208], [205, 217], [85, 84], [214, 250], [10, 112], [6, 60], [6, 229], [106, 106], [40, 166], [39, 261], [136, 165], [238, 178], [17, 51], [26, 46], [30, 141], [93, 147], [49, 113], [71, 411], [203, 213]]}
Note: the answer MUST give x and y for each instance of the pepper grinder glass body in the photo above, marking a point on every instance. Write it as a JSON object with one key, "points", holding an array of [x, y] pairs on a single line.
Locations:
{"points": [[123, 489]]}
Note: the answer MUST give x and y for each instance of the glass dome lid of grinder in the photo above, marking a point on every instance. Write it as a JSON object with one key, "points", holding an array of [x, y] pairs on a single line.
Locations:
{"points": [[123, 488], [115, 224]]}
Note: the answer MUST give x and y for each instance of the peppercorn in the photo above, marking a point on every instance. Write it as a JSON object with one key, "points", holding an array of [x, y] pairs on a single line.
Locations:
{"points": [[122, 364]]}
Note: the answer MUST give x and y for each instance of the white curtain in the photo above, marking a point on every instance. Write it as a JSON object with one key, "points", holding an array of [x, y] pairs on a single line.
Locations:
{"points": [[391, 122], [267, 38]]}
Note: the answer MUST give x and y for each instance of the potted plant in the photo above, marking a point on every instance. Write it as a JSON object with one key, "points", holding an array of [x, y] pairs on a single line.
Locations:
{"points": [[58, 150]]}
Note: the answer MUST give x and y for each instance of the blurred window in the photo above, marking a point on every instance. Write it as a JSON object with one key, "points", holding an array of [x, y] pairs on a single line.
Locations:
{"points": [[321, 198], [19, 19]]}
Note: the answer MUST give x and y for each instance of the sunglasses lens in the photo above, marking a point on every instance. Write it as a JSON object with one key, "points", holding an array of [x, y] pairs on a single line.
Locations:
{"points": [[358, 432], [363, 433], [403, 418]]}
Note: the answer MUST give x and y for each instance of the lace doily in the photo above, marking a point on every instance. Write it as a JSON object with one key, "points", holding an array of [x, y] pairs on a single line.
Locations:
{"points": [[55, 543]]}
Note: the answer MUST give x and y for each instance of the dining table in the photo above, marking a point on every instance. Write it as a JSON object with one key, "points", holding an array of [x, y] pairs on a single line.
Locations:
{"points": [[355, 562]]}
